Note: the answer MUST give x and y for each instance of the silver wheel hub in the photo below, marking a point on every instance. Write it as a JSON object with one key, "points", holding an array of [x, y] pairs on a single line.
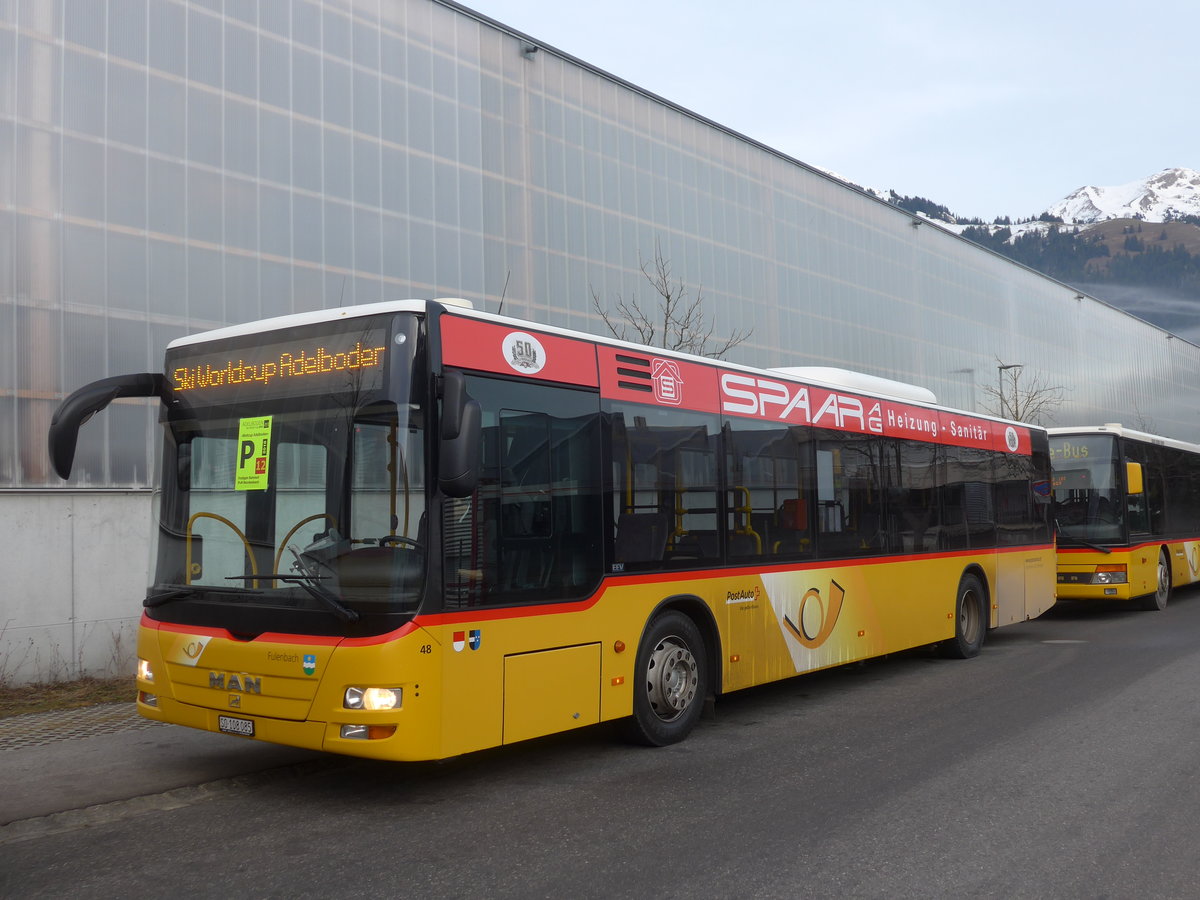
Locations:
{"points": [[671, 679], [969, 619]]}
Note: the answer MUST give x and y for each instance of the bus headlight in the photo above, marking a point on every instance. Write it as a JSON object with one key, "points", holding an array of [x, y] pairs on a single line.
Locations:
{"points": [[1110, 574], [144, 672], [372, 698]]}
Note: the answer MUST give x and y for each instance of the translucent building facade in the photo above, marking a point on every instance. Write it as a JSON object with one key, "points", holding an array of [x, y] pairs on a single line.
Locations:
{"points": [[172, 166]]}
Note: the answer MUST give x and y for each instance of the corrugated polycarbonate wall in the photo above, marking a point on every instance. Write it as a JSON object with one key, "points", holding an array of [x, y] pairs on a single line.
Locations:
{"points": [[175, 166]]}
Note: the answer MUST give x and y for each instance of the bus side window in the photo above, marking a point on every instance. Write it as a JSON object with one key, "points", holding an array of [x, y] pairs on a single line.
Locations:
{"points": [[664, 470], [913, 508], [1138, 515], [850, 496], [1143, 517], [527, 534]]}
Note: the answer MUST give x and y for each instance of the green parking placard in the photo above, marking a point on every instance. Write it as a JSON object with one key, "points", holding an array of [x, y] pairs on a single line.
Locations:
{"points": [[254, 453]]}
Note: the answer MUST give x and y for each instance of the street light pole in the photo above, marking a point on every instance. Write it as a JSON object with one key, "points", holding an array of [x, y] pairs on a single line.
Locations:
{"points": [[1000, 370]]}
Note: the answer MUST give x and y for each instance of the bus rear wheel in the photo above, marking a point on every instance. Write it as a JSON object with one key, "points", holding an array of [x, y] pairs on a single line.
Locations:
{"points": [[970, 620], [1162, 589], [670, 681]]}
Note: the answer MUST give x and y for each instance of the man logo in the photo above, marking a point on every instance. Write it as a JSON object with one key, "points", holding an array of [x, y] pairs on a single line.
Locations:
{"points": [[248, 684]]}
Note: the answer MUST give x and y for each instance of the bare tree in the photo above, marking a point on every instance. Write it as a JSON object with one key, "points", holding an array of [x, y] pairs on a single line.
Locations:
{"points": [[1141, 422], [677, 322], [1020, 396]]}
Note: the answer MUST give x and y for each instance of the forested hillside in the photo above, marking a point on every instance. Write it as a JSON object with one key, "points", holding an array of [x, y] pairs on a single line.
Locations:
{"points": [[1120, 252], [1126, 252]]}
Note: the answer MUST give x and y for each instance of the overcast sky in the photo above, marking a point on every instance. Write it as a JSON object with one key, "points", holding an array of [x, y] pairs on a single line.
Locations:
{"points": [[990, 109]]}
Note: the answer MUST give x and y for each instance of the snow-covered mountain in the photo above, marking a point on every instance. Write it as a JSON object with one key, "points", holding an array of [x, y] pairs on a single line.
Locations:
{"points": [[1170, 192]]}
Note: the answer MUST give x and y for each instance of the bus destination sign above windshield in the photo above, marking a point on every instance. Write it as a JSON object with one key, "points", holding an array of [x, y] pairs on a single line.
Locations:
{"points": [[311, 364]]}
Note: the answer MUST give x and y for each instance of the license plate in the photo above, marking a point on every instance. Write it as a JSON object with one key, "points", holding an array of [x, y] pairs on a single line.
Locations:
{"points": [[233, 725]]}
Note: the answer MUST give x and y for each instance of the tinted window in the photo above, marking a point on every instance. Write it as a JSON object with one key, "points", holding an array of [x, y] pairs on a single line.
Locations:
{"points": [[531, 532], [851, 517], [770, 487], [664, 488]]}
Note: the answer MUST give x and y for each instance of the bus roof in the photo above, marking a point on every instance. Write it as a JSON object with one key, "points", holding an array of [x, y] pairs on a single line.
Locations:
{"points": [[315, 317], [1120, 430], [826, 377]]}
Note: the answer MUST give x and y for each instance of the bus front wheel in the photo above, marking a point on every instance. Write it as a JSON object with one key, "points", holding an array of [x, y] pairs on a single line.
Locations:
{"points": [[670, 681], [970, 620], [1162, 589]]}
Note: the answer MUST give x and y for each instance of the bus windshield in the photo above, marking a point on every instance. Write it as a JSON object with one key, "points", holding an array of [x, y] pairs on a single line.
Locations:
{"points": [[293, 489], [1087, 489]]}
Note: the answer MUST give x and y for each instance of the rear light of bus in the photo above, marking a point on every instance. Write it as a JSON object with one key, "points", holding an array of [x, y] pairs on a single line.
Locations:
{"points": [[372, 698], [1110, 574]]}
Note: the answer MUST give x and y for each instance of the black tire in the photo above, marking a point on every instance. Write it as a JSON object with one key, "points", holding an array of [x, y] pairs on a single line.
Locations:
{"points": [[1157, 601], [670, 681], [970, 620]]}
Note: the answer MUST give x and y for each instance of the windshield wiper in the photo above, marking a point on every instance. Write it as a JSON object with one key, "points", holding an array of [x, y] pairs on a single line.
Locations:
{"points": [[158, 598], [310, 583], [1078, 540]]}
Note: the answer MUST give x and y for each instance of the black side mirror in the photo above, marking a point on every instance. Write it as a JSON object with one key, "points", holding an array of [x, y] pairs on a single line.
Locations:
{"points": [[89, 400], [461, 428]]}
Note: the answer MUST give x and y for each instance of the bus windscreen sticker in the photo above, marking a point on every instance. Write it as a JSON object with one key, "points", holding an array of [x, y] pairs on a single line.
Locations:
{"points": [[254, 454]]}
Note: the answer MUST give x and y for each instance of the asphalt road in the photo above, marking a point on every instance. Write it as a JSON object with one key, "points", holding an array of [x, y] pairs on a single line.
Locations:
{"points": [[1062, 762]]}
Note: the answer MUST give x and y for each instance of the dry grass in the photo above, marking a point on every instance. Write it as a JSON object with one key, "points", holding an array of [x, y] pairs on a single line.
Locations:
{"points": [[1112, 234], [65, 695]]}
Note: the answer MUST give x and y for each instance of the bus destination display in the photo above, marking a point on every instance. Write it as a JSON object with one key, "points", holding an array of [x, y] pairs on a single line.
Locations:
{"points": [[335, 363]]}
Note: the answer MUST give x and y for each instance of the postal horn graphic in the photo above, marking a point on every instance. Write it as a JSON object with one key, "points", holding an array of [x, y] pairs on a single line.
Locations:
{"points": [[811, 618]]}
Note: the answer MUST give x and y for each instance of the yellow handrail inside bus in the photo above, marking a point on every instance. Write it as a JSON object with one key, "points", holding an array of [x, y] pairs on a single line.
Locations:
{"points": [[678, 531], [295, 528], [745, 527], [188, 543]]}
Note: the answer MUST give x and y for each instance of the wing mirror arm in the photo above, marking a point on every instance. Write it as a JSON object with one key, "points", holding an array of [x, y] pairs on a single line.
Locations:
{"points": [[84, 403]]}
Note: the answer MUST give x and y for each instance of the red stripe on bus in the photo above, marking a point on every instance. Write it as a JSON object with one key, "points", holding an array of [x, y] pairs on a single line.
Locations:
{"points": [[274, 637], [492, 614], [1129, 548]]}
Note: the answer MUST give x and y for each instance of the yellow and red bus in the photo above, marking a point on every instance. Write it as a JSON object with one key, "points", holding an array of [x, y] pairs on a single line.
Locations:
{"points": [[410, 530], [1127, 507]]}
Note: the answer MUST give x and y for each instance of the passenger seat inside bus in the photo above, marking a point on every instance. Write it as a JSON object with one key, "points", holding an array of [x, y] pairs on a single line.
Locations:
{"points": [[642, 537]]}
